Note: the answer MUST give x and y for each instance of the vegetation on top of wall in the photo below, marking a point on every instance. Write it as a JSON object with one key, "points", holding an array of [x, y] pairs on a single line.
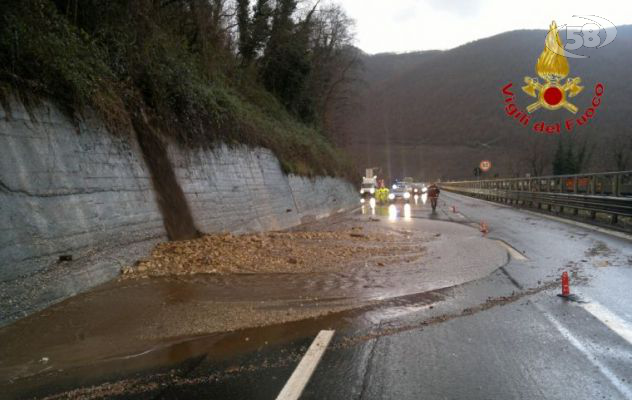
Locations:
{"points": [[199, 71]]}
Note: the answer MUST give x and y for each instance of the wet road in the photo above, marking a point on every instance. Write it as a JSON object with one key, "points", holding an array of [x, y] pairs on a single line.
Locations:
{"points": [[536, 346], [502, 336]]}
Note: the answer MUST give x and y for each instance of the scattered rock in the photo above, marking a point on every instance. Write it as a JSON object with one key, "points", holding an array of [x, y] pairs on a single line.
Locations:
{"points": [[276, 252]]}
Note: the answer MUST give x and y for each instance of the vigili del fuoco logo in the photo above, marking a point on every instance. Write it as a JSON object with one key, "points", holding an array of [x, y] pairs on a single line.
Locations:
{"points": [[553, 92]]}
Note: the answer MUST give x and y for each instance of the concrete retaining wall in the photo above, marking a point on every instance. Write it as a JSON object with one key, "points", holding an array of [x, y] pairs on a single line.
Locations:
{"points": [[86, 193]]}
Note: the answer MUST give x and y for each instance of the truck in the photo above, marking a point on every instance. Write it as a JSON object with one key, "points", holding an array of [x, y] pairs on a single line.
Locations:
{"points": [[369, 186], [369, 183]]}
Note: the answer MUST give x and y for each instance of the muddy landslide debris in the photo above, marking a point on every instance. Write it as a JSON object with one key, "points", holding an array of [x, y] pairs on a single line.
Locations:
{"points": [[277, 252]]}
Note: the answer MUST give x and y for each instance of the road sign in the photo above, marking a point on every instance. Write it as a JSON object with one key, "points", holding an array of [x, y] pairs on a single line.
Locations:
{"points": [[485, 165]]}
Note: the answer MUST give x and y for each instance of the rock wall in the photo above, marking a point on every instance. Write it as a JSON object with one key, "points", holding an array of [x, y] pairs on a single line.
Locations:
{"points": [[241, 190], [85, 193]]}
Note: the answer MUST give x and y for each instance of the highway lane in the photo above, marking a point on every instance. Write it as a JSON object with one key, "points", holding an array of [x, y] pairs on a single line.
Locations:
{"points": [[503, 336], [536, 346]]}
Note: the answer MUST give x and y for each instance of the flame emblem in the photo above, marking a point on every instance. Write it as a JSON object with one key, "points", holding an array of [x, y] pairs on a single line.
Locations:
{"points": [[552, 67]]}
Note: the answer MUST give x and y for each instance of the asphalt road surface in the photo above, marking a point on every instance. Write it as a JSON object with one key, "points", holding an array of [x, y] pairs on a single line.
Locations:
{"points": [[504, 336]]}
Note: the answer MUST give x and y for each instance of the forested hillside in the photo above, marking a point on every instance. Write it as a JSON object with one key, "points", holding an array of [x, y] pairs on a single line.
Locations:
{"points": [[263, 73], [438, 114]]}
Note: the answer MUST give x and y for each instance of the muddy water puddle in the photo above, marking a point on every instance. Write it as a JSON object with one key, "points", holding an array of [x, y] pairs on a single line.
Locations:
{"points": [[172, 361], [151, 321], [125, 318]]}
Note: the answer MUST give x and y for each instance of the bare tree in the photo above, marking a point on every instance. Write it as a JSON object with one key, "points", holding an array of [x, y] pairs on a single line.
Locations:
{"points": [[537, 155], [335, 62]]}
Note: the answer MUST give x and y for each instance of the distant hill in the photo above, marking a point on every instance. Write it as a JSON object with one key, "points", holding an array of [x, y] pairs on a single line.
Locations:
{"points": [[438, 113]]}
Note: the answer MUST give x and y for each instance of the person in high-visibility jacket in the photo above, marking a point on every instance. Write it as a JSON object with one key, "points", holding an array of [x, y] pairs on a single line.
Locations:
{"points": [[381, 195]]}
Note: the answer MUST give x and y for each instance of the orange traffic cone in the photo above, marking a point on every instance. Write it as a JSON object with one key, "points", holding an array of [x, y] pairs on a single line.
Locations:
{"points": [[566, 288], [484, 228]]}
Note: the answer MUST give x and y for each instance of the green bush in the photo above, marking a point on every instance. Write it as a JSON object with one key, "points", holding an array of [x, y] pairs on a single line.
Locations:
{"points": [[113, 58]]}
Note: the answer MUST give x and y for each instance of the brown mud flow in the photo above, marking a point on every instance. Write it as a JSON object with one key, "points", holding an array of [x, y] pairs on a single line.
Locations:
{"points": [[170, 362], [140, 314]]}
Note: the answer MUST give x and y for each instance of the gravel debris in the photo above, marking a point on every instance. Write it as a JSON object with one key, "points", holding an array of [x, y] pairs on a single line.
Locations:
{"points": [[276, 252]]}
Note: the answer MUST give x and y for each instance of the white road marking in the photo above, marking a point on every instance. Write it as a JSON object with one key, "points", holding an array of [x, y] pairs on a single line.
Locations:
{"points": [[606, 231], [515, 254], [303, 372], [620, 235], [614, 380], [611, 320]]}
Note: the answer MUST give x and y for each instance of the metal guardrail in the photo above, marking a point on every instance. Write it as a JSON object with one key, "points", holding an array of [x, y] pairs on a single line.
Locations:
{"points": [[587, 195]]}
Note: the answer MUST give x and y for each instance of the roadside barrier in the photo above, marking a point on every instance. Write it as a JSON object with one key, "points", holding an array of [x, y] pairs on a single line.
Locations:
{"points": [[604, 196]]}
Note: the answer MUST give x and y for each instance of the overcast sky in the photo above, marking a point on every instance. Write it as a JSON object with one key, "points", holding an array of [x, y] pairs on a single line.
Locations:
{"points": [[408, 25]]}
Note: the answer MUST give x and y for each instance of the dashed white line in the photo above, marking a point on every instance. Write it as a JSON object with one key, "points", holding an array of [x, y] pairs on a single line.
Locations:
{"points": [[611, 320], [294, 386]]}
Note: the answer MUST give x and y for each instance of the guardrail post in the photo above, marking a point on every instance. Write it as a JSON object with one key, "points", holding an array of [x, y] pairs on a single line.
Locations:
{"points": [[616, 190], [575, 179], [592, 184]]}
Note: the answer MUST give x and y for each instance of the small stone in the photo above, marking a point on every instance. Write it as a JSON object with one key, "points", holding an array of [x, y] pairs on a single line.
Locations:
{"points": [[357, 235]]}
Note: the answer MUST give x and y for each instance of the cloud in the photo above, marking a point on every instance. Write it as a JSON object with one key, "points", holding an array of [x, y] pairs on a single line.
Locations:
{"points": [[405, 14], [466, 8], [409, 25]]}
